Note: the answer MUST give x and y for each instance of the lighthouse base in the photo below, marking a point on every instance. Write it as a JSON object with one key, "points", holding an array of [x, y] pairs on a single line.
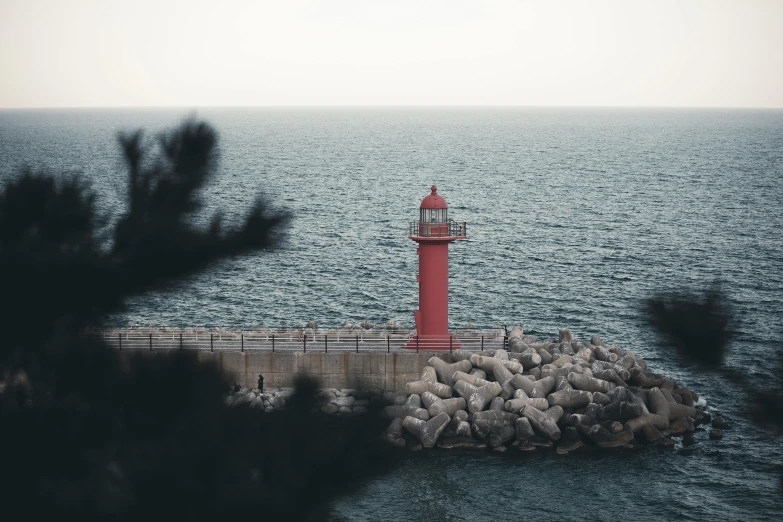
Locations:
{"points": [[433, 343]]}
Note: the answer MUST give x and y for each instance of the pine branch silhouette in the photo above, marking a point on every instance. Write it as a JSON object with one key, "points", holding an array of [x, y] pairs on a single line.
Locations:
{"points": [[700, 328], [90, 432]]}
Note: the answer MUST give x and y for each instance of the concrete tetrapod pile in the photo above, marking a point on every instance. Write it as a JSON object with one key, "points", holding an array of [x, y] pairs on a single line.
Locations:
{"points": [[563, 393]]}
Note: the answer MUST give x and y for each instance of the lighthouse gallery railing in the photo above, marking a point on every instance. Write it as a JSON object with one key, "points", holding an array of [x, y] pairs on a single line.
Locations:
{"points": [[449, 229]]}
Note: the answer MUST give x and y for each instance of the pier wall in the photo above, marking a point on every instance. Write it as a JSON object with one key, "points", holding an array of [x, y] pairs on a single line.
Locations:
{"points": [[386, 371]]}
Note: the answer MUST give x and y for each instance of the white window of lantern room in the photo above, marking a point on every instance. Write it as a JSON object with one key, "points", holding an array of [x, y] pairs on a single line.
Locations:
{"points": [[433, 215]]}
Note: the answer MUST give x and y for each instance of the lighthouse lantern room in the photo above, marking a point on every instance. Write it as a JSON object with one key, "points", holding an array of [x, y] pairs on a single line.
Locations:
{"points": [[433, 232]]}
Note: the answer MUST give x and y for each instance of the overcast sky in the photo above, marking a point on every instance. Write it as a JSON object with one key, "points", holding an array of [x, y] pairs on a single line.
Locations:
{"points": [[65, 53]]}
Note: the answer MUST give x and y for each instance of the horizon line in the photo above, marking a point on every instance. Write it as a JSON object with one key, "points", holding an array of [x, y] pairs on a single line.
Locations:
{"points": [[390, 106]]}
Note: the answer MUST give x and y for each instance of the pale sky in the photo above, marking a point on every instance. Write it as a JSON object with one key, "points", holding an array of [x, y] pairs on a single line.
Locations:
{"points": [[193, 53]]}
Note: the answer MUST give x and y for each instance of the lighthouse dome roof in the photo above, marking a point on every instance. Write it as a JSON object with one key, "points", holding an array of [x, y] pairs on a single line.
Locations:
{"points": [[434, 200]]}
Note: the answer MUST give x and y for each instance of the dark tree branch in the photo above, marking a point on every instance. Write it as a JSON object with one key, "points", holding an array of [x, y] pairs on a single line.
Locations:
{"points": [[88, 432], [700, 329]]}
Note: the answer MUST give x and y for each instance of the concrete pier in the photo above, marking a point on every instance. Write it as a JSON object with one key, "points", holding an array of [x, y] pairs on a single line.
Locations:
{"points": [[384, 371]]}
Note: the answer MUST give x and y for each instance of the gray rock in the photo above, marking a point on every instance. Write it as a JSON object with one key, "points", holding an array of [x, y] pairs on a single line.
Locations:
{"points": [[606, 439], [397, 442], [652, 434], [391, 397], [344, 402], [584, 382], [720, 423], [359, 409], [601, 398], [244, 398], [469, 378], [463, 429], [497, 404], [716, 434], [445, 371], [418, 387], [327, 394], [461, 415], [678, 427], [524, 430], [570, 398], [478, 373], [395, 428], [504, 417], [345, 410], [570, 440], [450, 406], [621, 411], [658, 403], [405, 411], [330, 409], [426, 431], [529, 358], [542, 422], [413, 400], [566, 349], [702, 417]]}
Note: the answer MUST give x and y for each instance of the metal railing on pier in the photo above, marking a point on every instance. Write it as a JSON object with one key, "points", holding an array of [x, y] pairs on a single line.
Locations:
{"points": [[289, 340]]}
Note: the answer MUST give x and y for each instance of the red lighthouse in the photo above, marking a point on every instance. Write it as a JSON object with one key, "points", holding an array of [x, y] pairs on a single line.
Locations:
{"points": [[433, 232]]}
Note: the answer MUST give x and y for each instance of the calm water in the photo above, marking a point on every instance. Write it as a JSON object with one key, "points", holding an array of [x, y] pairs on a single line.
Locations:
{"points": [[574, 217]]}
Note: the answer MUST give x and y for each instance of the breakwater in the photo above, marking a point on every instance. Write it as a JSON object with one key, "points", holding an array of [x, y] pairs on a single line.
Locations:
{"points": [[560, 393]]}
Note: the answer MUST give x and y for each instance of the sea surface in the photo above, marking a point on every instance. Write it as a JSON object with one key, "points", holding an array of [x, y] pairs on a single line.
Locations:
{"points": [[575, 216]]}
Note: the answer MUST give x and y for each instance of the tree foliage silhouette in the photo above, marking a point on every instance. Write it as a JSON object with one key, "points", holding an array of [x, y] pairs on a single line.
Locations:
{"points": [[90, 432], [700, 329]]}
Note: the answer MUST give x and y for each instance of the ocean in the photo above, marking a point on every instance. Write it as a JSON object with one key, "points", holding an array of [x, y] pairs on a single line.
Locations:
{"points": [[575, 217]]}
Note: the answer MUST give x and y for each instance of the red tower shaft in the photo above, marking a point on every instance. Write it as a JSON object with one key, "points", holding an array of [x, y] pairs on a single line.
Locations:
{"points": [[433, 312]]}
